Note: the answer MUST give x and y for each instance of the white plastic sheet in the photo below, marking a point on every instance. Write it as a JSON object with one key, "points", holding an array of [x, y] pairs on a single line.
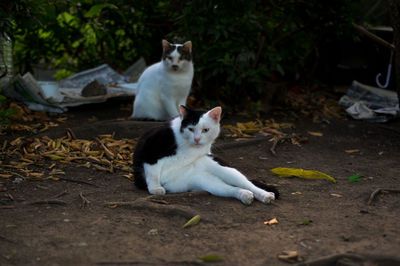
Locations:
{"points": [[56, 97], [369, 103]]}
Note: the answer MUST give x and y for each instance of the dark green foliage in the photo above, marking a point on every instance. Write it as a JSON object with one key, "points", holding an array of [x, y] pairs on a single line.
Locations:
{"points": [[5, 112], [238, 45], [76, 35], [241, 44]]}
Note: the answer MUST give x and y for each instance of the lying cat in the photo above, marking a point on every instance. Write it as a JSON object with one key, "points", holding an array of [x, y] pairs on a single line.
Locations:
{"points": [[176, 157], [165, 85]]}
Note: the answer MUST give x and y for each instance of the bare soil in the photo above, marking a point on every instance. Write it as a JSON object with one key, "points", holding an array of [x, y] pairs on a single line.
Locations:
{"points": [[326, 223]]}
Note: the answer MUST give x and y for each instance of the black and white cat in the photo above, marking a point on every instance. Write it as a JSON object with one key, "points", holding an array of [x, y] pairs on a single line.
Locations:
{"points": [[176, 157], [164, 86]]}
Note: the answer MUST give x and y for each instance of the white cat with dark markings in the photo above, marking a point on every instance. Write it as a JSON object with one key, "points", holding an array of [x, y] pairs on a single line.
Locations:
{"points": [[164, 86], [176, 157]]}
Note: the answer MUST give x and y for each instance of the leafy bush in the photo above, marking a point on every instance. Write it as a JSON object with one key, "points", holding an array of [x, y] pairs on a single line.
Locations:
{"points": [[5, 112], [76, 35], [241, 44], [238, 45]]}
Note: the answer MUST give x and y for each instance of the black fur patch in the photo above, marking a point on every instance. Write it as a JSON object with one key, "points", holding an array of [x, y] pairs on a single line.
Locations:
{"points": [[167, 51], [266, 188], [191, 117], [185, 53], [154, 145]]}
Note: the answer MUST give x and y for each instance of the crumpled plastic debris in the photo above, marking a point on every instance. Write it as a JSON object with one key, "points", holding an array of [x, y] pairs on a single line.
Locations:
{"points": [[51, 96], [308, 174], [369, 103]]}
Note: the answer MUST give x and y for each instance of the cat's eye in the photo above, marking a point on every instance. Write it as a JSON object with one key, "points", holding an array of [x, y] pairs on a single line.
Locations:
{"points": [[169, 58], [205, 130], [191, 129]]}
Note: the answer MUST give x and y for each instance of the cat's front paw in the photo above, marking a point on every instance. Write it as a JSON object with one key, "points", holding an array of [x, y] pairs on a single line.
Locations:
{"points": [[265, 197], [246, 196], [157, 191]]}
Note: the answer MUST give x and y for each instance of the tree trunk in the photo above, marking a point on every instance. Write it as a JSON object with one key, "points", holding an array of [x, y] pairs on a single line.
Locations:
{"points": [[394, 7]]}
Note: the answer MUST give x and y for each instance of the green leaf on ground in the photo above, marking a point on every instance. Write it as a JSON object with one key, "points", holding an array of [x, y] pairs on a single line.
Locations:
{"points": [[211, 258], [306, 222], [355, 178], [195, 220]]}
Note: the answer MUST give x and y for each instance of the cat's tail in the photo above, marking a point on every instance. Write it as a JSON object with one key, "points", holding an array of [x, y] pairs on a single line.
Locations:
{"points": [[266, 187]]}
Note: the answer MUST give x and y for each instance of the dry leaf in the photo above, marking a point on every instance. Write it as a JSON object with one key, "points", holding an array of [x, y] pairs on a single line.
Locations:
{"points": [[352, 151], [291, 256], [195, 220], [62, 119], [5, 175], [9, 196], [211, 258], [57, 172], [36, 175], [110, 152], [316, 134], [271, 222], [308, 174], [129, 176]]}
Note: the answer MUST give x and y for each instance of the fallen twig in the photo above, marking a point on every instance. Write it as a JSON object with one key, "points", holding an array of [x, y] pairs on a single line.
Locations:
{"points": [[7, 240], [376, 191], [77, 181], [71, 133], [106, 150], [61, 194], [7, 206], [356, 259], [85, 201], [123, 262], [159, 207], [272, 149], [162, 262], [47, 202]]}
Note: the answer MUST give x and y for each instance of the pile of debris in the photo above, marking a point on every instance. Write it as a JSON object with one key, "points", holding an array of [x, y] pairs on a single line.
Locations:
{"points": [[22, 156], [90, 86]]}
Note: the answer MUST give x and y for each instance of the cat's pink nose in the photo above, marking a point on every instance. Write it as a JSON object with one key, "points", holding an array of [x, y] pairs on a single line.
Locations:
{"points": [[197, 140]]}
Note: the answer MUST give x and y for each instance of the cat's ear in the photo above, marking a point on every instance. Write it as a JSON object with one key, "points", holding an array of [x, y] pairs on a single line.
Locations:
{"points": [[215, 113], [188, 46], [165, 44], [183, 110]]}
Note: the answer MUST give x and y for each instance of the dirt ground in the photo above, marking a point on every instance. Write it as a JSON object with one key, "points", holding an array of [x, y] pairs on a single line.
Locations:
{"points": [[326, 223]]}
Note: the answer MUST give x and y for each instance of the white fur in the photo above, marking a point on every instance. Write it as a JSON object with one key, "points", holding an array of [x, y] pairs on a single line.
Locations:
{"points": [[191, 169], [162, 88]]}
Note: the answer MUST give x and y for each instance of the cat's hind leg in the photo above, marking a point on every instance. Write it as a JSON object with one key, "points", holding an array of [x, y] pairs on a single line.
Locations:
{"points": [[233, 177], [217, 187]]}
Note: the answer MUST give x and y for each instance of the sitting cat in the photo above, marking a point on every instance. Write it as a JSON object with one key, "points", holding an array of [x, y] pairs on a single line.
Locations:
{"points": [[176, 157], [164, 86]]}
